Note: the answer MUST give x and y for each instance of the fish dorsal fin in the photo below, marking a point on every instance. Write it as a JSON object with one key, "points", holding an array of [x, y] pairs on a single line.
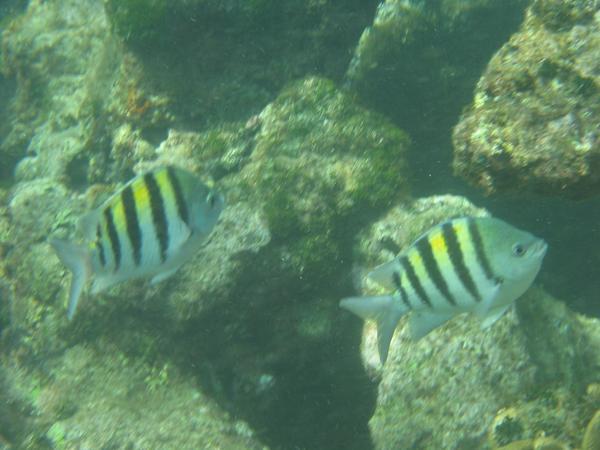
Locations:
{"points": [[385, 274], [87, 224], [422, 323]]}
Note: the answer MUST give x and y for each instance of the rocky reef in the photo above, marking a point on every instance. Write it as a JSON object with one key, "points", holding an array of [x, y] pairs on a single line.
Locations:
{"points": [[252, 323], [418, 63], [246, 347], [533, 123]]}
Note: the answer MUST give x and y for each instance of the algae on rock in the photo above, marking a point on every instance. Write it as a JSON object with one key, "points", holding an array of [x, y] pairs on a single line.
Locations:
{"points": [[418, 63], [533, 124]]}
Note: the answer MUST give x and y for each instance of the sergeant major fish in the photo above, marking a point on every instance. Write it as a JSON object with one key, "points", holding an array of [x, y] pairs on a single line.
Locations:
{"points": [[149, 228], [476, 265]]}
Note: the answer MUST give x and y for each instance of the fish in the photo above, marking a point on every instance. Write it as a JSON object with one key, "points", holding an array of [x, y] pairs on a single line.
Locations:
{"points": [[477, 265], [149, 228]]}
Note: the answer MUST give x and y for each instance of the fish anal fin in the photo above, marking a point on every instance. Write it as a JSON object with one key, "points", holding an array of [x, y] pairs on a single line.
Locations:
{"points": [[162, 276], [493, 315], [101, 283], [422, 323]]}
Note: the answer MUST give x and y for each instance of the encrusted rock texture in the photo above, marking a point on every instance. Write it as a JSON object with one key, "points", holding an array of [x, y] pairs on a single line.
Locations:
{"points": [[301, 125], [534, 122]]}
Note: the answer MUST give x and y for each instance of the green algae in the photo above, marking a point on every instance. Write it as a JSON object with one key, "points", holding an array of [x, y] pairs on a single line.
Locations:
{"points": [[326, 166], [139, 22]]}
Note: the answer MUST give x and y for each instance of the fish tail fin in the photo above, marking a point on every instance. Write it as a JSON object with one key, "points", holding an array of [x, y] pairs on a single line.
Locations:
{"points": [[76, 259], [385, 310]]}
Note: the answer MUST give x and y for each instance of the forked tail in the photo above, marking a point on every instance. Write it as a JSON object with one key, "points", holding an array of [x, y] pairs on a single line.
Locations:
{"points": [[385, 310]]}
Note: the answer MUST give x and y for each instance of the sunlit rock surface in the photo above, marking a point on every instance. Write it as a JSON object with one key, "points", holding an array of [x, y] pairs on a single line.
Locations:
{"points": [[533, 123]]}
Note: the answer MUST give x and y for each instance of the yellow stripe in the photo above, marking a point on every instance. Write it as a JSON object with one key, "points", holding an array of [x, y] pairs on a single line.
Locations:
{"points": [[418, 266], [166, 190], [464, 240], [440, 251], [438, 244], [141, 196], [118, 212]]}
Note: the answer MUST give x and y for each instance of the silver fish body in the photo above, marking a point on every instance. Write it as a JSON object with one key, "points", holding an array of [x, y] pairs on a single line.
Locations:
{"points": [[466, 265], [149, 228]]}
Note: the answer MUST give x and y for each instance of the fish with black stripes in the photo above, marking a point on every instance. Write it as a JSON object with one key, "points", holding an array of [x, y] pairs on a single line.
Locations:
{"points": [[466, 265], [149, 228]]}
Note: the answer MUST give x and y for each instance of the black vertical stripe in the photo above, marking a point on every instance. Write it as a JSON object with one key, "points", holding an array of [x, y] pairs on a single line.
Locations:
{"points": [[398, 283], [458, 261], [179, 198], [423, 246], [159, 216], [100, 246], [113, 237], [133, 225], [479, 250], [414, 280]]}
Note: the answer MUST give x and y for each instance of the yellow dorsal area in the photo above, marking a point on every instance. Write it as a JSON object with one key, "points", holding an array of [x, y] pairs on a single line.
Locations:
{"points": [[464, 238], [118, 212], [438, 243], [164, 184], [141, 195], [417, 262]]}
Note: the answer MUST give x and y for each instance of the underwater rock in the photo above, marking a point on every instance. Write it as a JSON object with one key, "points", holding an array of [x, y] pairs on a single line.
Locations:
{"points": [[446, 390], [533, 123], [419, 61], [591, 438], [254, 317], [58, 54], [225, 60], [95, 396]]}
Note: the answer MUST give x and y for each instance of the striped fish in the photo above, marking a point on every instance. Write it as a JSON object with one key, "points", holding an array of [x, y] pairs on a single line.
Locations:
{"points": [[147, 229], [477, 265]]}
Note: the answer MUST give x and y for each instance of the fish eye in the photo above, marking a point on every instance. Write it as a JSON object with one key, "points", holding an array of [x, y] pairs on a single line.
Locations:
{"points": [[518, 249]]}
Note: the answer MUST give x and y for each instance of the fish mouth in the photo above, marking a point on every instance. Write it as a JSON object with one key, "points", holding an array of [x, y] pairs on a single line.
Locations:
{"points": [[540, 248]]}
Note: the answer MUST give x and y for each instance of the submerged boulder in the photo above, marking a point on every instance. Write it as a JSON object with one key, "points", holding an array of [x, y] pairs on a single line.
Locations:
{"points": [[418, 63], [533, 124], [462, 387], [253, 319]]}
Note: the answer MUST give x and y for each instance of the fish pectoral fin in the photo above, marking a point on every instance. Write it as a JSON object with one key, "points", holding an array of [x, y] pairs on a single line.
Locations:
{"points": [[181, 235], [422, 323], [493, 315], [101, 283], [490, 296], [384, 309], [384, 274], [163, 276]]}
